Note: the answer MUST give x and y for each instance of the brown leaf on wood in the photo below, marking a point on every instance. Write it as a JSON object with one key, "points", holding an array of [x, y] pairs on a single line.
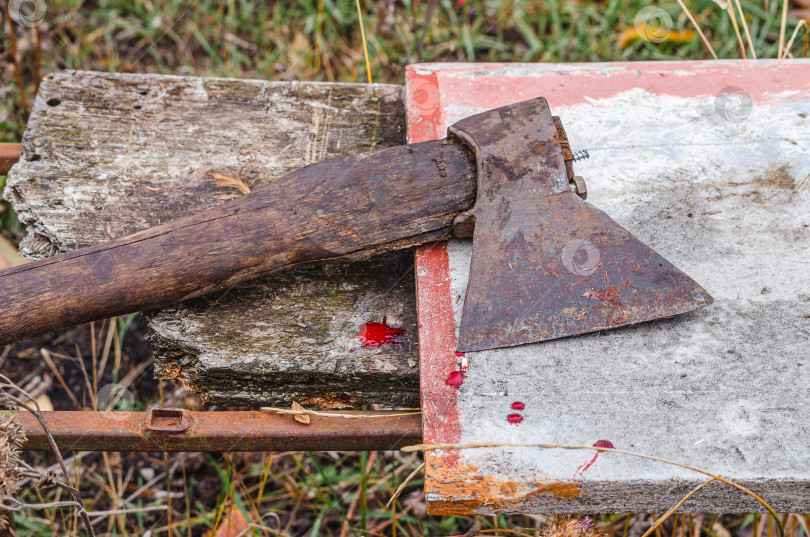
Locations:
{"points": [[229, 180], [301, 418]]}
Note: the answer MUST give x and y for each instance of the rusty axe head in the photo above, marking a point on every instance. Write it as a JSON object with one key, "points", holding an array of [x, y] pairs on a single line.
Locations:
{"points": [[545, 264]]}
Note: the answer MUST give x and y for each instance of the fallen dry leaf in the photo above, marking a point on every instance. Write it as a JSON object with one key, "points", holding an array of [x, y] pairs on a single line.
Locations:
{"points": [[44, 402], [719, 530], [233, 523], [301, 418], [632, 34], [8, 255]]}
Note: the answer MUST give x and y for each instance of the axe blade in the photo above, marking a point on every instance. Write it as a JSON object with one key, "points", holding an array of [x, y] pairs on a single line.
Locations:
{"points": [[545, 264], [560, 268]]}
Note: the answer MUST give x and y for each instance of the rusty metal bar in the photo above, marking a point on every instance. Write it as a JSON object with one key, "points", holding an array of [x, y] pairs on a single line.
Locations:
{"points": [[9, 155], [168, 429]]}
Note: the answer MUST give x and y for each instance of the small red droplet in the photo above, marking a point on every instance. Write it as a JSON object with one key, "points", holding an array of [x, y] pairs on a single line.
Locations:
{"points": [[604, 444], [373, 334], [517, 405], [351, 350], [514, 419], [459, 354], [455, 379]]}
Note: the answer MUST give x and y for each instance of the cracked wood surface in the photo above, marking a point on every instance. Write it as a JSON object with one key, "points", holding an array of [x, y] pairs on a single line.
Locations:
{"points": [[107, 155]]}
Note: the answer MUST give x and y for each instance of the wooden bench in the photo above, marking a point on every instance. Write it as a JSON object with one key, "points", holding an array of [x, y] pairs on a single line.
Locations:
{"points": [[106, 155]]}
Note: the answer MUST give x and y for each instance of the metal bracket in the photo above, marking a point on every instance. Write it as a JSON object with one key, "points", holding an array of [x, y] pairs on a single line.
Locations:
{"points": [[167, 420]]}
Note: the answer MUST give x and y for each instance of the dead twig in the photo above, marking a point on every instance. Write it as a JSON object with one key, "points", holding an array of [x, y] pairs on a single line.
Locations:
{"points": [[802, 23], [6, 383], [745, 28], [675, 507], [291, 412], [782, 28], [697, 27], [402, 486], [731, 14], [12, 41], [52, 366]]}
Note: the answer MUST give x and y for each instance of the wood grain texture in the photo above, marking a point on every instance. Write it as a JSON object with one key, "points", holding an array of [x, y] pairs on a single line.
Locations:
{"points": [[106, 155], [347, 207]]}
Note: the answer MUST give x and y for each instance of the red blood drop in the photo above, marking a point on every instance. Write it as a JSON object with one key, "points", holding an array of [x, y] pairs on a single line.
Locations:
{"points": [[459, 354], [584, 466], [373, 334], [517, 405], [455, 379], [514, 419]]}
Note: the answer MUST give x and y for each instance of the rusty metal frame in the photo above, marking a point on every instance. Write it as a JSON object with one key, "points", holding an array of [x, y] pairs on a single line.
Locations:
{"points": [[175, 429], [9, 155]]}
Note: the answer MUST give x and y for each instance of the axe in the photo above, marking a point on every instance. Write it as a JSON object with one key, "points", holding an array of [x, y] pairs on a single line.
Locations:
{"points": [[545, 264]]}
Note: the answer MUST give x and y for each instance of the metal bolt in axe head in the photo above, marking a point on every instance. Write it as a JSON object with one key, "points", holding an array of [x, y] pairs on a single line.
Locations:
{"points": [[545, 264]]}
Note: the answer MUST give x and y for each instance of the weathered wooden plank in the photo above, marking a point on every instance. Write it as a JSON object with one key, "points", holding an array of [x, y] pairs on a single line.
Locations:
{"points": [[107, 155]]}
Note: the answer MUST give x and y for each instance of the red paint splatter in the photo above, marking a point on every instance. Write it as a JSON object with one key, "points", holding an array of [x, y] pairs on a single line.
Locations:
{"points": [[455, 379], [517, 405], [599, 443], [459, 354], [351, 350], [373, 334], [514, 419]]}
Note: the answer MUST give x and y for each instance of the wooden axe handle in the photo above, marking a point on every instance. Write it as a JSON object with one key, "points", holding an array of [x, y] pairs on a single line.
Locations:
{"points": [[353, 206]]}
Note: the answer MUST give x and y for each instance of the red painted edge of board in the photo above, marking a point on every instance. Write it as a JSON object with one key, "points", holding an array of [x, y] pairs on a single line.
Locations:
{"points": [[568, 84]]}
